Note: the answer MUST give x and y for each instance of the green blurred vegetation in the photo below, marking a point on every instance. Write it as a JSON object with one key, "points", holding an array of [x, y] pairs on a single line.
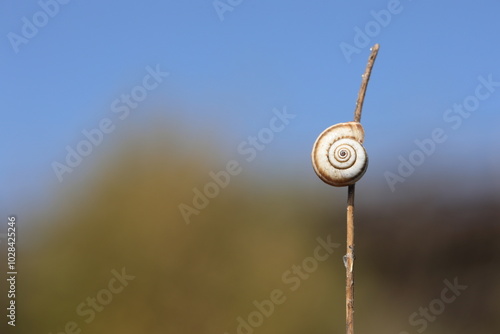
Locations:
{"points": [[199, 278]]}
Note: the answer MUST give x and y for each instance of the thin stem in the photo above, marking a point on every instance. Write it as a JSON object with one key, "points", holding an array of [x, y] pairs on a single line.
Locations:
{"points": [[349, 263], [364, 83], [349, 257]]}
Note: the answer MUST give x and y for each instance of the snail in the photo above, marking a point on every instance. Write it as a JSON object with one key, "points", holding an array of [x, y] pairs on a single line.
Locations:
{"points": [[338, 155]]}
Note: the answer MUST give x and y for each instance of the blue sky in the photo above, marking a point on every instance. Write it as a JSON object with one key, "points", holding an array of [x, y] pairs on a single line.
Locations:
{"points": [[229, 75]]}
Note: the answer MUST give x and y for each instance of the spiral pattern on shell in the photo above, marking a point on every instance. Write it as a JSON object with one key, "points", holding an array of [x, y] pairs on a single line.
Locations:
{"points": [[338, 155]]}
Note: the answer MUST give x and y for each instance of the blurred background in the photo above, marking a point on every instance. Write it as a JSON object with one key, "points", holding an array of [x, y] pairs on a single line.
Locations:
{"points": [[118, 117]]}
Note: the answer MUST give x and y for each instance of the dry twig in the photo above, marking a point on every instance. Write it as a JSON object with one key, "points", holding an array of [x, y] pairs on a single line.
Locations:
{"points": [[349, 257]]}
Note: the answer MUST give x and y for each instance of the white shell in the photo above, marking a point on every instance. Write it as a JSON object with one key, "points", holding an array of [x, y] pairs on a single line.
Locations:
{"points": [[338, 155]]}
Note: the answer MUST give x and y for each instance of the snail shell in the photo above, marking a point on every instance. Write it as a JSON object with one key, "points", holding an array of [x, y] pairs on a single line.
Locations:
{"points": [[338, 155]]}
